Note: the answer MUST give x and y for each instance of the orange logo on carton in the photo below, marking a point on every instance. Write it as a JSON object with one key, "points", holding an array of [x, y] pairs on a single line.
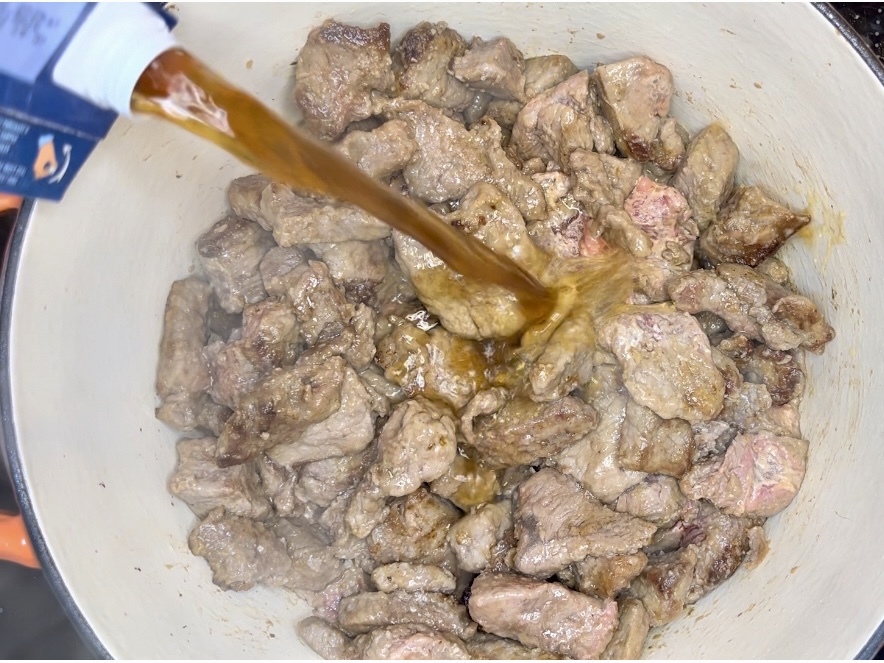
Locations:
{"points": [[46, 162]]}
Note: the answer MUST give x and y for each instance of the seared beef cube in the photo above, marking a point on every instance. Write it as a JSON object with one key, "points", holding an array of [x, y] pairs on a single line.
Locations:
{"points": [[667, 363], [656, 499], [449, 159], [751, 303], [314, 564], [326, 640], [182, 373], [721, 542], [635, 95], [322, 481], [750, 228], [606, 576], [382, 152], [424, 57], [593, 459], [488, 647], [557, 523], [654, 445], [496, 66], [336, 71], [506, 430], [413, 578], [346, 431], [241, 552], [276, 264], [417, 444], [466, 483], [559, 233], [758, 475], [204, 486], [556, 122], [230, 252], [411, 642], [543, 614], [706, 174], [297, 219], [415, 530], [244, 196], [358, 268], [663, 214], [664, 585], [632, 631], [600, 179], [522, 190], [546, 71], [436, 364], [480, 538], [363, 612]]}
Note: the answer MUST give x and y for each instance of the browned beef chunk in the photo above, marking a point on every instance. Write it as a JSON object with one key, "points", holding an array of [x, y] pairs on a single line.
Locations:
{"points": [[363, 612], [269, 339], [656, 499], [417, 444], [413, 578], [467, 483], [449, 159], [601, 179], [720, 542], [632, 631], [230, 252], [411, 642], [322, 481], [382, 152], [204, 486], [276, 264], [706, 174], [241, 552], [750, 228], [346, 431], [488, 647], [244, 196], [559, 233], [775, 369], [336, 71], [296, 219], [495, 66], [593, 460], [329, 642], [507, 430], [662, 213], [182, 373], [423, 58], [758, 475], [634, 97], [556, 122], [751, 303], [664, 585], [542, 614], [651, 444], [358, 268], [415, 530], [314, 564], [667, 363], [436, 364], [546, 71], [605, 577], [557, 523], [481, 536]]}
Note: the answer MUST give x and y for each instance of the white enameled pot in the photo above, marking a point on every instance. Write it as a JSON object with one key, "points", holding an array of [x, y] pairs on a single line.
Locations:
{"points": [[86, 282]]}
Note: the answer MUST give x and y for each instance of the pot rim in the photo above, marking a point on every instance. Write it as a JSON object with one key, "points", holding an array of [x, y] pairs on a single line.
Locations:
{"points": [[9, 440]]}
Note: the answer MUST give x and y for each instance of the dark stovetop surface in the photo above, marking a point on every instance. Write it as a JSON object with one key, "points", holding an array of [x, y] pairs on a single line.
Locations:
{"points": [[33, 625]]}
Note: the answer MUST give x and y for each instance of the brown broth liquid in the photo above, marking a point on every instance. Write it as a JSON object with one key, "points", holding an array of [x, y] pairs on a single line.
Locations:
{"points": [[178, 88]]}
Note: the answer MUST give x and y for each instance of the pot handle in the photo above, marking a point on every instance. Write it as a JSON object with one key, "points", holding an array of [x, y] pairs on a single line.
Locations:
{"points": [[15, 546]]}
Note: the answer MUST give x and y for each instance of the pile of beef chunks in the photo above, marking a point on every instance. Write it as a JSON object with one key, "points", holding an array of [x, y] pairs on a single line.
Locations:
{"points": [[330, 373]]}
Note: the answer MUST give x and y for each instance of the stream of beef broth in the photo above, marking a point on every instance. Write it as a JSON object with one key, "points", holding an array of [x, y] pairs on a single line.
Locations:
{"points": [[180, 89]]}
